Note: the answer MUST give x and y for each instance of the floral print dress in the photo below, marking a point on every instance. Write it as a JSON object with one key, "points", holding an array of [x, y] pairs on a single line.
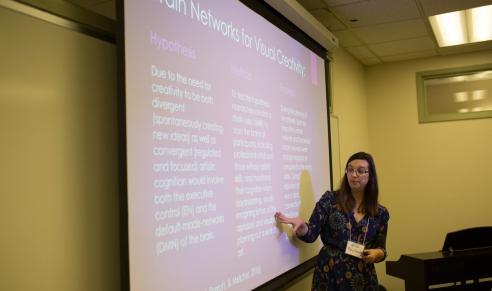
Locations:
{"points": [[334, 269]]}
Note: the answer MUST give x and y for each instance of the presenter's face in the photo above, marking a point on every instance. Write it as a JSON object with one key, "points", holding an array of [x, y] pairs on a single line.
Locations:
{"points": [[358, 175]]}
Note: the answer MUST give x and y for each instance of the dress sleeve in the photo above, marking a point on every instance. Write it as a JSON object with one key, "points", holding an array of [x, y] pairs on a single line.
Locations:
{"points": [[318, 216], [380, 240]]}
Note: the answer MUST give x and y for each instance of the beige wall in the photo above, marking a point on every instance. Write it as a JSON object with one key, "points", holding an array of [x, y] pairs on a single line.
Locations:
{"points": [[349, 106], [434, 177], [58, 153]]}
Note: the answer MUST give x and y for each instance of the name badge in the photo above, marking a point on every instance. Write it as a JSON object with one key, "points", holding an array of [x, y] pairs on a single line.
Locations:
{"points": [[354, 249]]}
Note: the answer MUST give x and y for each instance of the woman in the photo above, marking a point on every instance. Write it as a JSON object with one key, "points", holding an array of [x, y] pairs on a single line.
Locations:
{"points": [[352, 226]]}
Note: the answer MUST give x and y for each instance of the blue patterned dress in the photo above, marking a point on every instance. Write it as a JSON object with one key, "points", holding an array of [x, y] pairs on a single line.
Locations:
{"points": [[334, 269]]}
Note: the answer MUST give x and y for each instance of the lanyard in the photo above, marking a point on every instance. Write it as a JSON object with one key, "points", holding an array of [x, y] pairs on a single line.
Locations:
{"points": [[365, 233]]}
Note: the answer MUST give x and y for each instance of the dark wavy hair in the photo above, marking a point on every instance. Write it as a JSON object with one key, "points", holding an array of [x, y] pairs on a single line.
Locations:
{"points": [[344, 197]]}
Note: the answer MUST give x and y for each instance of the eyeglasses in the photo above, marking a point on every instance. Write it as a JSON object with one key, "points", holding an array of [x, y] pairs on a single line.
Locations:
{"points": [[358, 171]]}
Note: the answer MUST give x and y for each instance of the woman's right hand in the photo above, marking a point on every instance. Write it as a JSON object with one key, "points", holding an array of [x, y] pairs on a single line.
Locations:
{"points": [[299, 227]]}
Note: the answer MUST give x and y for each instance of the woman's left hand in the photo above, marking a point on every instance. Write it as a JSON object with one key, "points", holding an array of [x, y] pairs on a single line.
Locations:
{"points": [[372, 255]]}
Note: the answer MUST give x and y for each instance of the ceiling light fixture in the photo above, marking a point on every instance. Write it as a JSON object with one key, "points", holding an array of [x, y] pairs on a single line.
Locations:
{"points": [[465, 26], [481, 23]]}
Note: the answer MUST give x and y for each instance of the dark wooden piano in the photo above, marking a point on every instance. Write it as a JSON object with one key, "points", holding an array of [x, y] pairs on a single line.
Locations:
{"points": [[465, 263]]}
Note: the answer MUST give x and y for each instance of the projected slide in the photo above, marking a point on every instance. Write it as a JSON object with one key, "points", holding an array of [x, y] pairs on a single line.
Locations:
{"points": [[226, 124]]}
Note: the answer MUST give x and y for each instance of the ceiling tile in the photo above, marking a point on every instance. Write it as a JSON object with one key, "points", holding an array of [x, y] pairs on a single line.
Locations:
{"points": [[391, 31], [410, 56], [328, 19], [433, 7], [332, 3], [312, 4], [377, 11], [403, 46], [360, 52], [346, 38], [371, 61]]}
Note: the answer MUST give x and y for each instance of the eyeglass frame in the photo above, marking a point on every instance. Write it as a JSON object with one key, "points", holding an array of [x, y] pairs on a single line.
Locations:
{"points": [[358, 172]]}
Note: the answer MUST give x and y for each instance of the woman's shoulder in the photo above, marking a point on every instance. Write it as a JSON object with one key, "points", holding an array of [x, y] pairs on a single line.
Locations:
{"points": [[328, 198], [383, 212]]}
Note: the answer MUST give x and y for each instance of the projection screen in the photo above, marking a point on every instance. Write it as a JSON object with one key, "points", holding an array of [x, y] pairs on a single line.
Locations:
{"points": [[226, 123]]}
